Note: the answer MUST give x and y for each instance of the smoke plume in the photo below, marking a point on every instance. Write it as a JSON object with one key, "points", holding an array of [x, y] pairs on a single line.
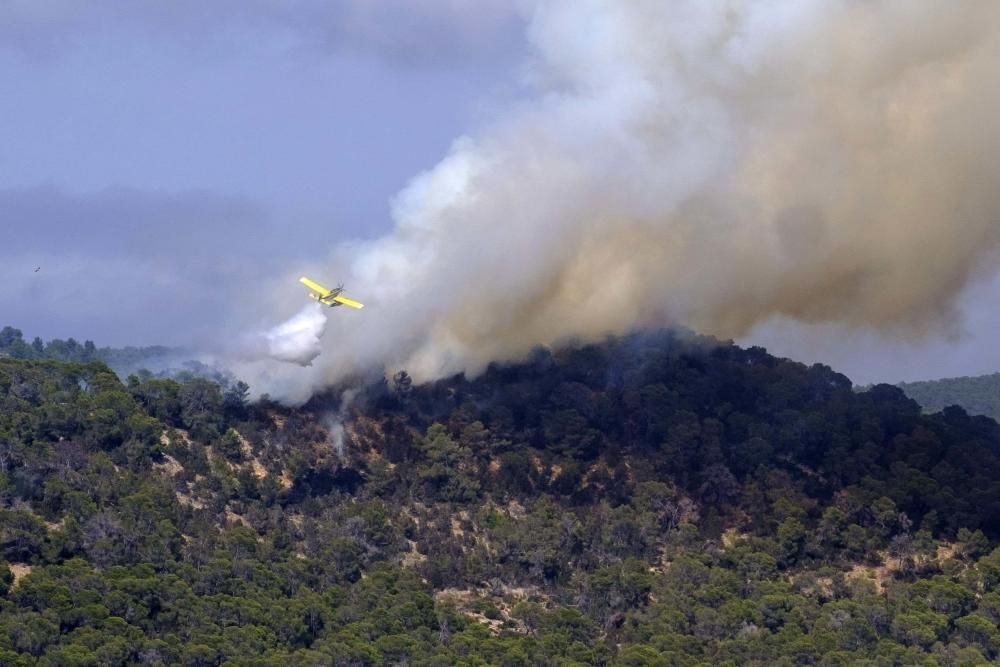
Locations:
{"points": [[710, 164], [335, 422]]}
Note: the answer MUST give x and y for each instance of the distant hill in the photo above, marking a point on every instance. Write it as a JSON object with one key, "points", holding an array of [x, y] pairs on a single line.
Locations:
{"points": [[159, 360], [978, 395]]}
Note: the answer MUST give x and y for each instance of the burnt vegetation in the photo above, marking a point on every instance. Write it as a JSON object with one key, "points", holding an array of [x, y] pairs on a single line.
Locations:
{"points": [[658, 499]]}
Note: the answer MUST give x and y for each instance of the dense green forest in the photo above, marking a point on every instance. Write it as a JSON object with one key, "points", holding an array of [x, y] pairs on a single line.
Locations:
{"points": [[654, 500], [979, 395]]}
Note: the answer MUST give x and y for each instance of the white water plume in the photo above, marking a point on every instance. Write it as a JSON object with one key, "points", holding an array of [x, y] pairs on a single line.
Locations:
{"points": [[297, 340]]}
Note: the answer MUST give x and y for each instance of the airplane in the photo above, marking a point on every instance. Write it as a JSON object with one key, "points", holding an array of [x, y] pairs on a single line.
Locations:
{"points": [[329, 297]]}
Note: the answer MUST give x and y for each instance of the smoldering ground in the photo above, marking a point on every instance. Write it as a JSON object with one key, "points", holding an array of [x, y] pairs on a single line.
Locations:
{"points": [[714, 165]]}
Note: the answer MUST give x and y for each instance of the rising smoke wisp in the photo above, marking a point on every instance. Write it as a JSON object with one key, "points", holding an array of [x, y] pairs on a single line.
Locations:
{"points": [[335, 422], [711, 164]]}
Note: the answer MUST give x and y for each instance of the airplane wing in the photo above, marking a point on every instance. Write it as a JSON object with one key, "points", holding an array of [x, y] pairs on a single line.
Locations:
{"points": [[348, 302], [316, 287]]}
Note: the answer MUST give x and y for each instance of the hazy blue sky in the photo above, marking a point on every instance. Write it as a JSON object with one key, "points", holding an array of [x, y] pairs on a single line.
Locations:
{"points": [[157, 159], [160, 160]]}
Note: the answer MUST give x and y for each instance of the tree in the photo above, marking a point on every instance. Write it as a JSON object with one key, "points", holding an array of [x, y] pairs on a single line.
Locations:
{"points": [[201, 408], [10, 337], [450, 470], [402, 385], [231, 446], [235, 401], [6, 578]]}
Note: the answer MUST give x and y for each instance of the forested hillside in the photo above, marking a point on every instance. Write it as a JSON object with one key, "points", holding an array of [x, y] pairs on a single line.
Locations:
{"points": [[979, 395], [654, 500]]}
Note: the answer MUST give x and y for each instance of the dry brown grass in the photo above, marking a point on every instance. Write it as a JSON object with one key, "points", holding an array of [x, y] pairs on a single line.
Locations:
{"points": [[20, 571]]}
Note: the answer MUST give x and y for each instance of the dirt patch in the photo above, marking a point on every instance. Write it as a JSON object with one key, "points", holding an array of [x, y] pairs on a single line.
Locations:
{"points": [[462, 599], [494, 625], [412, 558], [812, 586], [600, 467], [374, 458], [415, 518], [883, 573], [245, 447], [946, 551], [515, 510], [522, 593], [365, 430], [169, 466], [556, 471], [494, 466], [536, 461], [233, 517], [467, 602], [732, 537], [456, 523], [259, 471], [879, 575], [189, 501], [663, 562], [455, 595], [167, 435], [20, 571], [56, 525], [256, 467]]}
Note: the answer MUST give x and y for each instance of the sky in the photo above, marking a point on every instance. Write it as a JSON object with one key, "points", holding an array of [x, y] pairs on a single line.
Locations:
{"points": [[161, 164], [158, 160]]}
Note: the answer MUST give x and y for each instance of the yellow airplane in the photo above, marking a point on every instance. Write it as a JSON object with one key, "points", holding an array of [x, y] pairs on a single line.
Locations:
{"points": [[329, 297]]}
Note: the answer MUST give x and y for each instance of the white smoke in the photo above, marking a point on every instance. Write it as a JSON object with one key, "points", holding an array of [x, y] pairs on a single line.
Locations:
{"points": [[335, 422], [711, 164], [297, 340]]}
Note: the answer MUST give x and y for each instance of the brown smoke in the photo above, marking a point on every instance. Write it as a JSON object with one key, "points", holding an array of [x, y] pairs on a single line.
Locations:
{"points": [[711, 164]]}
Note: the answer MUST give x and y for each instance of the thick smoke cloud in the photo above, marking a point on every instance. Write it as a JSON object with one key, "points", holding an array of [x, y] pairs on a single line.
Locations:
{"points": [[714, 165]]}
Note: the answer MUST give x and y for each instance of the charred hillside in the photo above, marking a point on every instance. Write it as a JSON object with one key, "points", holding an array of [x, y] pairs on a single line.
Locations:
{"points": [[716, 421], [655, 499]]}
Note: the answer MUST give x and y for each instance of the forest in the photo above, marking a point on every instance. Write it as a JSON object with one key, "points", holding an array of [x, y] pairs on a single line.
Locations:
{"points": [[655, 499], [979, 395]]}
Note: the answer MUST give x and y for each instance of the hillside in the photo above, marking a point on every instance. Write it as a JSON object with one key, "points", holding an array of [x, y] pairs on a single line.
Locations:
{"points": [[979, 395], [655, 500]]}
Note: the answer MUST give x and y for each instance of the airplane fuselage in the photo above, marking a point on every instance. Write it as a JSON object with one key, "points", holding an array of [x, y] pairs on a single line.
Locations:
{"points": [[326, 300], [329, 297]]}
